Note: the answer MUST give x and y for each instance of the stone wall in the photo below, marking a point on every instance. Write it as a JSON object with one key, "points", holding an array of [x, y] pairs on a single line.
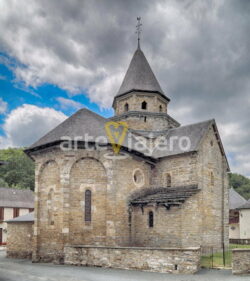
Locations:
{"points": [[182, 168], [110, 181], [8, 214], [19, 240], [241, 261], [166, 231], [154, 117], [123, 185], [213, 181], [88, 174], [172, 228], [135, 99], [172, 260], [49, 211], [178, 226], [147, 121]]}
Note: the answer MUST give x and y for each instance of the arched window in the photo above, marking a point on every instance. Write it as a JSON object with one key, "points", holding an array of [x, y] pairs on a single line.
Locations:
{"points": [[126, 107], [168, 180], [50, 207], [151, 219], [160, 108], [87, 205], [212, 178], [144, 105]]}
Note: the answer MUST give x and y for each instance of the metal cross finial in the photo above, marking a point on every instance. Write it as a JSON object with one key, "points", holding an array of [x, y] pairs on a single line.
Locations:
{"points": [[138, 30]]}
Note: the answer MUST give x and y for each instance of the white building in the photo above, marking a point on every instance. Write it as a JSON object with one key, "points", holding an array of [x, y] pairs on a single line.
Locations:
{"points": [[13, 203], [239, 216], [244, 220]]}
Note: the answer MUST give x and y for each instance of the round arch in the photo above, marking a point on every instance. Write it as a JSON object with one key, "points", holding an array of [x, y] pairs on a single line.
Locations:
{"points": [[87, 173]]}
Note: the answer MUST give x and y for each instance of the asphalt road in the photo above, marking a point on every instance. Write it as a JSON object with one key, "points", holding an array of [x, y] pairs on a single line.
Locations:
{"points": [[24, 270]]}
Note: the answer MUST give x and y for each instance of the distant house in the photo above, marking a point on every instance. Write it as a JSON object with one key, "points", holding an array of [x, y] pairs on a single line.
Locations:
{"points": [[20, 236], [13, 203], [244, 220], [235, 224]]}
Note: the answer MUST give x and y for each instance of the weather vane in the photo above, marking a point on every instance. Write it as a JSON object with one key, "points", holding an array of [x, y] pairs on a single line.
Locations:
{"points": [[138, 30]]}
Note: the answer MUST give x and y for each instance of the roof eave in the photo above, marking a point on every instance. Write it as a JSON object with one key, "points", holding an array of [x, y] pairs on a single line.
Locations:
{"points": [[148, 159], [178, 154]]}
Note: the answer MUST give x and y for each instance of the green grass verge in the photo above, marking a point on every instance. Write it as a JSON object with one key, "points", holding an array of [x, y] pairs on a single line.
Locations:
{"points": [[217, 260]]}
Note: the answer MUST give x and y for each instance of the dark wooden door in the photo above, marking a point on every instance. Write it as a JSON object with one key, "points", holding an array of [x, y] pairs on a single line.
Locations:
{"points": [[1, 236]]}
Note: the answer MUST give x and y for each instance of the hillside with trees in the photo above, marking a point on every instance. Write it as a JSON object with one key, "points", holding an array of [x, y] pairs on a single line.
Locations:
{"points": [[241, 184], [19, 170]]}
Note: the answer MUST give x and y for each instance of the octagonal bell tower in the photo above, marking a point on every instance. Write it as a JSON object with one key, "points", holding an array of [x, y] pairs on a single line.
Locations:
{"points": [[140, 100]]}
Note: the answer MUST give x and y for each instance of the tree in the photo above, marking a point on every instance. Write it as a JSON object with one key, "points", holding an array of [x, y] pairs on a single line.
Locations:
{"points": [[241, 184], [3, 183], [19, 170]]}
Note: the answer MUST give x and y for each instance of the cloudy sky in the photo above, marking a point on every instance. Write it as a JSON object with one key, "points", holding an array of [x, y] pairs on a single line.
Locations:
{"points": [[57, 56]]}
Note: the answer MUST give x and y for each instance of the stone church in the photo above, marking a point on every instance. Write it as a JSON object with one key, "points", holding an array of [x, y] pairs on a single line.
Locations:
{"points": [[170, 198]]}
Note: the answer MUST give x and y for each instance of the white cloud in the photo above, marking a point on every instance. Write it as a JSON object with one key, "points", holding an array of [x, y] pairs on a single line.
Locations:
{"points": [[100, 92], [69, 103], [3, 106], [26, 124]]}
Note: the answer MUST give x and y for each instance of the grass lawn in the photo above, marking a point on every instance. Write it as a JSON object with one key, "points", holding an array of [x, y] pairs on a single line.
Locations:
{"points": [[217, 260]]}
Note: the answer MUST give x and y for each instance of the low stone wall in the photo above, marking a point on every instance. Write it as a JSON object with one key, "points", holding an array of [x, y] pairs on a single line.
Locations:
{"points": [[171, 260], [241, 261], [19, 240]]}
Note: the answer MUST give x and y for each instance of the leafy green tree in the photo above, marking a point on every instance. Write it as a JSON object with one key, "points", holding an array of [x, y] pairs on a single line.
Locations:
{"points": [[19, 170], [3, 183], [241, 184]]}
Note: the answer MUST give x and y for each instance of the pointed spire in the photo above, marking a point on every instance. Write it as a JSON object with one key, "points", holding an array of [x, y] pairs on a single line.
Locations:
{"points": [[139, 76]]}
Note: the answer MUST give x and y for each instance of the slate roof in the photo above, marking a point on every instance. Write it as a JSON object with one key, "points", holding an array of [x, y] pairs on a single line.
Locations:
{"points": [[87, 122], [193, 132], [140, 77], [82, 122], [16, 198], [25, 218], [170, 196], [245, 206], [235, 199]]}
